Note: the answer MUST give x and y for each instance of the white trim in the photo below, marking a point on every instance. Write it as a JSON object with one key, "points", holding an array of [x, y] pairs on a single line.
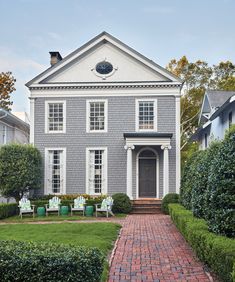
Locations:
{"points": [[137, 101], [105, 149], [157, 171], [32, 107], [47, 102], [46, 171], [4, 134], [177, 138], [146, 141], [105, 101]]}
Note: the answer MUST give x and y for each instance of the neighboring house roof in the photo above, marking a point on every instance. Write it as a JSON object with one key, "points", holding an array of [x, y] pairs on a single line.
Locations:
{"points": [[223, 107], [213, 99], [102, 38], [217, 98], [8, 118]]}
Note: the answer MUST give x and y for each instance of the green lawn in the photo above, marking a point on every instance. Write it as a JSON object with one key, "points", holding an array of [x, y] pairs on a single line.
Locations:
{"points": [[100, 235], [54, 217]]}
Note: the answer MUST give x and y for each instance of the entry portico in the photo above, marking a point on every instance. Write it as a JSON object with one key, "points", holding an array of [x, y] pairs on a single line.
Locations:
{"points": [[148, 148]]}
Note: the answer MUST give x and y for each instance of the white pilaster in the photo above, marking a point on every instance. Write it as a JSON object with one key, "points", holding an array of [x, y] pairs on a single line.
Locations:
{"points": [[177, 137], [31, 138], [129, 171], [165, 169]]}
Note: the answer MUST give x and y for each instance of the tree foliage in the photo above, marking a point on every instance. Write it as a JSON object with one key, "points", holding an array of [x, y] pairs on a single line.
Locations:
{"points": [[198, 76], [20, 170], [7, 86]]}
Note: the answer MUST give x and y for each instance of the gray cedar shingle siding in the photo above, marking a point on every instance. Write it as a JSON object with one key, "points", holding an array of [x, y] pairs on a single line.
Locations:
{"points": [[121, 118]]}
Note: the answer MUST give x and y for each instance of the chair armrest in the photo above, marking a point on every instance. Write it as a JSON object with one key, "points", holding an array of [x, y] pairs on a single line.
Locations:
{"points": [[33, 207], [46, 205], [97, 205]]}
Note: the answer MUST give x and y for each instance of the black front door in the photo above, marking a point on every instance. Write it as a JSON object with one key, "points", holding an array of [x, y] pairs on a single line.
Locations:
{"points": [[147, 178]]}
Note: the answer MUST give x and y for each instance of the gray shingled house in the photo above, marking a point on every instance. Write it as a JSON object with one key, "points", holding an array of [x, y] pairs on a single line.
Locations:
{"points": [[107, 119]]}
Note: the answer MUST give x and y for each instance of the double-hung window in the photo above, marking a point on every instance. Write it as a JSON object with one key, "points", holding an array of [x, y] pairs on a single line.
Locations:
{"points": [[146, 115], [96, 171], [55, 170], [96, 116], [55, 116]]}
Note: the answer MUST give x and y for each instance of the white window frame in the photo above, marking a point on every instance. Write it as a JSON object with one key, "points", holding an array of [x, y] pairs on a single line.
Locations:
{"points": [[47, 188], [47, 112], [105, 186], [105, 101], [137, 101]]}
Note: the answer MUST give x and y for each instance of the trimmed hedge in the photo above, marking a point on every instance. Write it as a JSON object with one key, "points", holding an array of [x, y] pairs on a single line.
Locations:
{"points": [[39, 262], [7, 210], [169, 199], [216, 251], [121, 203]]}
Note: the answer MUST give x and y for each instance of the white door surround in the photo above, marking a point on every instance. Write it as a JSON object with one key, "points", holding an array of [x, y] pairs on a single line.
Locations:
{"points": [[157, 170], [147, 139]]}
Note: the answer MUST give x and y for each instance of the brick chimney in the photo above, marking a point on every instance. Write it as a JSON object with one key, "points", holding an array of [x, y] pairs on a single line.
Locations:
{"points": [[55, 57]]}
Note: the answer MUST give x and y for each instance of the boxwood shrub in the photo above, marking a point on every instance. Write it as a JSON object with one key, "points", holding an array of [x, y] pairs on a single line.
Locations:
{"points": [[218, 252], [7, 210], [168, 199], [121, 203], [39, 262]]}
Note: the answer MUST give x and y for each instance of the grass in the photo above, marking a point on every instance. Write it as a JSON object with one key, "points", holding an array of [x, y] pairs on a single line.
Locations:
{"points": [[54, 217], [101, 235]]}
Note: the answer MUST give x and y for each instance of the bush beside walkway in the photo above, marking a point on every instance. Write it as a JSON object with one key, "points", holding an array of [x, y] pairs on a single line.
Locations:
{"points": [[216, 251]]}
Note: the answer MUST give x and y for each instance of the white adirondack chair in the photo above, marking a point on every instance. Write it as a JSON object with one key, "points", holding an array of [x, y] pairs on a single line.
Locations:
{"points": [[53, 206], [25, 207], [79, 205], [105, 206]]}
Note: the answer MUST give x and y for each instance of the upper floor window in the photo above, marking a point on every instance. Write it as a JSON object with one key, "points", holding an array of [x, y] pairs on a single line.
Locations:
{"points": [[4, 134], [97, 116], [55, 116], [146, 115], [230, 119], [206, 140]]}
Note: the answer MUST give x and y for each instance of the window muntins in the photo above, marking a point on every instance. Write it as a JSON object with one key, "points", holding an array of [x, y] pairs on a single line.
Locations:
{"points": [[55, 119], [96, 171], [55, 170], [97, 115], [146, 115]]}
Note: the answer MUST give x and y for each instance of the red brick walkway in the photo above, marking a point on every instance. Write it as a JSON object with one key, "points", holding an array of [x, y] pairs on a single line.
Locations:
{"points": [[152, 249]]}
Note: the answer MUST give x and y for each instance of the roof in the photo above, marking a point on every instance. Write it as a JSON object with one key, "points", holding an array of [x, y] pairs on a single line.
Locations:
{"points": [[217, 97], [223, 107], [102, 37], [147, 134], [9, 118]]}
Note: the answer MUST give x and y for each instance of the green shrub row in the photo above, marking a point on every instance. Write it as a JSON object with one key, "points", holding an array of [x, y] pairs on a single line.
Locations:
{"points": [[208, 185], [39, 262], [218, 252], [170, 198], [7, 210]]}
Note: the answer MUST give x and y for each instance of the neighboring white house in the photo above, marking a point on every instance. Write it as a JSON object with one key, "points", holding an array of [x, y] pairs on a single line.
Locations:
{"points": [[12, 129], [217, 115]]}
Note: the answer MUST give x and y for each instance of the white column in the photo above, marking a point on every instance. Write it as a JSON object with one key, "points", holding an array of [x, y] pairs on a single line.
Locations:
{"points": [[165, 149], [177, 137], [31, 138], [129, 171]]}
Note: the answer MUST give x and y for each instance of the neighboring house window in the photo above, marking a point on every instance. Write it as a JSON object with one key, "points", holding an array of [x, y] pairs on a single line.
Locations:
{"points": [[55, 116], [97, 116], [4, 134], [97, 171], [206, 140], [55, 171], [230, 119], [146, 115]]}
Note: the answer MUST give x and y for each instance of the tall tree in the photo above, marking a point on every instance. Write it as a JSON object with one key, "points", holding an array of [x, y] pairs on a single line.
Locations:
{"points": [[198, 76], [7, 86]]}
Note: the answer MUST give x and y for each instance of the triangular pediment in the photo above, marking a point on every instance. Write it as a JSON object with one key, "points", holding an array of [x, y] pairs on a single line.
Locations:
{"points": [[127, 65]]}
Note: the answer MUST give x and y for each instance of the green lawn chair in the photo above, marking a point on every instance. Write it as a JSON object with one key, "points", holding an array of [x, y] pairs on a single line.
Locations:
{"points": [[53, 206], [105, 206], [79, 205], [25, 207]]}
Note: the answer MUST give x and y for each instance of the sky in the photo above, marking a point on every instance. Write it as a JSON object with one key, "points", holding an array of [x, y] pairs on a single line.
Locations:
{"points": [[160, 30]]}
